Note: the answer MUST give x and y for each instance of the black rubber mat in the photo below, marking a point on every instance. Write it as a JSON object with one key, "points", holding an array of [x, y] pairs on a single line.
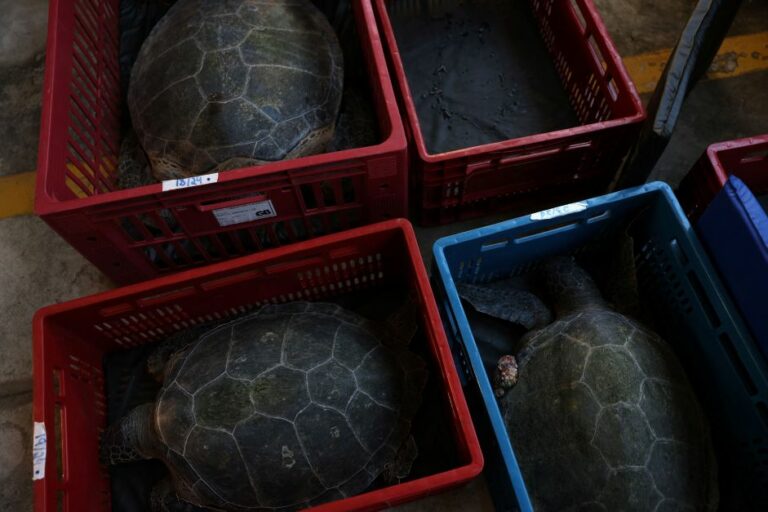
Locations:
{"points": [[478, 72]]}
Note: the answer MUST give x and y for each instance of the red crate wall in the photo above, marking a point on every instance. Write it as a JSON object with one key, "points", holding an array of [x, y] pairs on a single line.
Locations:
{"points": [[745, 158], [70, 340], [129, 234], [543, 169]]}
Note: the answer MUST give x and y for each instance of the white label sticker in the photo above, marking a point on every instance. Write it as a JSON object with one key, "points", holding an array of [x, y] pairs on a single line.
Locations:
{"points": [[194, 181], [39, 451], [245, 213], [559, 211]]}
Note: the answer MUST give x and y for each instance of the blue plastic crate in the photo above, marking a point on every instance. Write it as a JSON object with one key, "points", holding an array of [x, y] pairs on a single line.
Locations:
{"points": [[734, 229], [684, 295]]}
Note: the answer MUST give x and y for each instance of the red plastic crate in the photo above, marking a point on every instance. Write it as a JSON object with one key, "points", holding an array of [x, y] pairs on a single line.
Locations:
{"points": [[745, 158], [70, 340], [124, 232], [538, 170]]}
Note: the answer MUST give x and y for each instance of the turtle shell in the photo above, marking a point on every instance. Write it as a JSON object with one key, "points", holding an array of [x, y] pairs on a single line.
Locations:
{"points": [[293, 405], [220, 84], [603, 418]]}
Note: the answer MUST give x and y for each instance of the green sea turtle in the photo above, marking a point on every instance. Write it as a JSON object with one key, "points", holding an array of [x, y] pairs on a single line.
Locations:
{"points": [[599, 411], [223, 84], [290, 406]]}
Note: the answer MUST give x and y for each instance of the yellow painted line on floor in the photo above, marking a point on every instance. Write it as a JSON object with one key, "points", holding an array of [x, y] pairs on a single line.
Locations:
{"points": [[738, 55], [17, 194]]}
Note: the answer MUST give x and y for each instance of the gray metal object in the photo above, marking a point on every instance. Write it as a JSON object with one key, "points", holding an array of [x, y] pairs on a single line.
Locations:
{"points": [[698, 44]]}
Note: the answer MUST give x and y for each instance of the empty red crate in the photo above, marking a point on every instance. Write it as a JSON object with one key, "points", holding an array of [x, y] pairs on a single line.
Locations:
{"points": [[70, 340], [745, 158], [541, 169], [140, 233]]}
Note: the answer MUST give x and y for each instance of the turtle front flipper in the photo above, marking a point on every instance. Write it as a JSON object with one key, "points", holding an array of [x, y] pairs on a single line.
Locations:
{"points": [[400, 468], [133, 166], [132, 438], [161, 362], [165, 499], [403, 322], [502, 300], [569, 287]]}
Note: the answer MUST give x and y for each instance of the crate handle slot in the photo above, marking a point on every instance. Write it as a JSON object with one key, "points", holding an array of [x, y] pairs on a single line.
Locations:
{"points": [[579, 16], [762, 410], [230, 280], [293, 265], [725, 341], [680, 255], [546, 231], [518, 159], [597, 55], [125, 307], [579, 145], [164, 297], [754, 156], [465, 365], [709, 309], [344, 252], [496, 244], [227, 203], [58, 441], [600, 216]]}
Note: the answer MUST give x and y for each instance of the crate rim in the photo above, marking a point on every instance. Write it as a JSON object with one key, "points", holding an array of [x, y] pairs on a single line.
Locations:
{"points": [[390, 494], [527, 140], [655, 186], [713, 153], [227, 265], [55, 107]]}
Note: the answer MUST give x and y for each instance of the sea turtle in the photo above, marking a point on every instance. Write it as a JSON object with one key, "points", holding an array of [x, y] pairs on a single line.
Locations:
{"points": [[222, 84], [598, 409], [290, 406]]}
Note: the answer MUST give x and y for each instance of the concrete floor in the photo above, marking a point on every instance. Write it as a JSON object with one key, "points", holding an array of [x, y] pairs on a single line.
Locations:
{"points": [[37, 268]]}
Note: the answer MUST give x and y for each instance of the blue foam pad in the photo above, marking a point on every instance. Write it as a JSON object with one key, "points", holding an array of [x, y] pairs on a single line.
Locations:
{"points": [[734, 228]]}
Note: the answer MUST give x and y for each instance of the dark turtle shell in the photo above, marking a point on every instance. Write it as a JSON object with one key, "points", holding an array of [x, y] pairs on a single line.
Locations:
{"points": [[295, 404], [603, 417], [220, 84]]}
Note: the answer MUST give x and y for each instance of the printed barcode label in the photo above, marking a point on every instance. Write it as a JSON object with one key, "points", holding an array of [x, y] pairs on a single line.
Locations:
{"points": [[245, 213], [559, 211], [194, 181]]}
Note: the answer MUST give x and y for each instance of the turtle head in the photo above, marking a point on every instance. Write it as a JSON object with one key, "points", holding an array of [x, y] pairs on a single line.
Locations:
{"points": [[569, 287]]}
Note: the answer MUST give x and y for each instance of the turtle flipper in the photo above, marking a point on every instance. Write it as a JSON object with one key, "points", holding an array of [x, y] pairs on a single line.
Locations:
{"points": [[160, 362], [165, 499], [133, 166], [132, 438], [406, 456], [401, 466], [403, 322], [502, 300]]}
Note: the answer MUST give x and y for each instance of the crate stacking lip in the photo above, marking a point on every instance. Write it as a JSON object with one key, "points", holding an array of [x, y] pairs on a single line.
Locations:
{"points": [[541, 169], [685, 296], [745, 158], [148, 231], [71, 338]]}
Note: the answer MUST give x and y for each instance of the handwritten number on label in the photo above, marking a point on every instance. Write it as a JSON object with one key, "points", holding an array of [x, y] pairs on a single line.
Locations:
{"points": [[194, 181], [39, 451]]}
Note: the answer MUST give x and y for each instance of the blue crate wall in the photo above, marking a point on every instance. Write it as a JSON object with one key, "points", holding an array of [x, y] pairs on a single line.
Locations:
{"points": [[734, 229], [676, 282]]}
